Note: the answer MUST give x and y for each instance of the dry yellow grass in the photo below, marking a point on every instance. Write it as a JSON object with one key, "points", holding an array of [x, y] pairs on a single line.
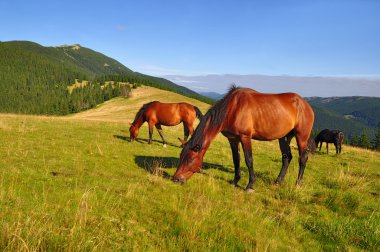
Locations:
{"points": [[124, 110]]}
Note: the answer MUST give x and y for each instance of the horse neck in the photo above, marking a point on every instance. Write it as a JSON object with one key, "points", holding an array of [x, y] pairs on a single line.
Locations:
{"points": [[139, 121], [209, 134]]}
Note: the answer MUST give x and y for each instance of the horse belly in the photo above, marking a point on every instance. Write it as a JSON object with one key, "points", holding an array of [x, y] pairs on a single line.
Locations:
{"points": [[169, 120]]}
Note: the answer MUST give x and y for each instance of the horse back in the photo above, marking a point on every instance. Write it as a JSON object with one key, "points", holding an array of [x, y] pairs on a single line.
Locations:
{"points": [[169, 114], [269, 116]]}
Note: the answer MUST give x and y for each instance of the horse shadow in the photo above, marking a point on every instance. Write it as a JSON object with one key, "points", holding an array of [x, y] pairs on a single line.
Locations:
{"points": [[154, 165], [142, 140]]}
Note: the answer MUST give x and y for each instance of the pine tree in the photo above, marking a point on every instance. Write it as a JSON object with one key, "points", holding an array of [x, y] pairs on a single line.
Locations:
{"points": [[376, 140], [364, 141], [355, 140]]}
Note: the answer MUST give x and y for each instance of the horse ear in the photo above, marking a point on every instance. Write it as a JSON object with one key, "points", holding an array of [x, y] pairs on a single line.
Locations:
{"points": [[182, 141], [196, 148]]}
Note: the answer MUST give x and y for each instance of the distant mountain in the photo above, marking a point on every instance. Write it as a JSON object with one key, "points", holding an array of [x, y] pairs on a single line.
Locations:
{"points": [[34, 78], [73, 57], [307, 86], [212, 95]]}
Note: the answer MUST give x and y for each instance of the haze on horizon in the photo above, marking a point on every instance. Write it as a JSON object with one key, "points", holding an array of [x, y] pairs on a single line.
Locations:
{"points": [[307, 86], [199, 38]]}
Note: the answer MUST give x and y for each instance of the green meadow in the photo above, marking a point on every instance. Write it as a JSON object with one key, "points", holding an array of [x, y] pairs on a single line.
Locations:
{"points": [[76, 183]]}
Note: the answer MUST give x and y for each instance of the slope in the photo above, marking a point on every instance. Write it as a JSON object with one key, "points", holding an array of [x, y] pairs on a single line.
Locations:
{"points": [[77, 183]]}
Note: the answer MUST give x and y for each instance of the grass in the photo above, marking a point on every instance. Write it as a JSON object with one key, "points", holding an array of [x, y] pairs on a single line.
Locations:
{"points": [[76, 183]]}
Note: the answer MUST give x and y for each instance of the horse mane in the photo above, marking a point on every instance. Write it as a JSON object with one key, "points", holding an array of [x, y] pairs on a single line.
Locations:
{"points": [[216, 114], [141, 111]]}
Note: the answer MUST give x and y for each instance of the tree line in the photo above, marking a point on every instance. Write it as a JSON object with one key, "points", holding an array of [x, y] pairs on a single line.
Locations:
{"points": [[364, 141]]}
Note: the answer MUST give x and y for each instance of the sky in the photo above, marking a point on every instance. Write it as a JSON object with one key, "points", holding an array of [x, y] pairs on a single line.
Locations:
{"points": [[301, 38]]}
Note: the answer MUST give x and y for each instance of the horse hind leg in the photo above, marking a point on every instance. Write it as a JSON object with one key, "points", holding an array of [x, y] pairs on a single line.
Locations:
{"points": [[303, 156], [286, 157]]}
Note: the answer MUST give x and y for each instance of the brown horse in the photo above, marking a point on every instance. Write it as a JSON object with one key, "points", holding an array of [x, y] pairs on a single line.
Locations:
{"points": [[167, 114], [244, 114]]}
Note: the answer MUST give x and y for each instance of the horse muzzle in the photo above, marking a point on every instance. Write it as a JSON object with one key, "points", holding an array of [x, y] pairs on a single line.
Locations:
{"points": [[179, 180]]}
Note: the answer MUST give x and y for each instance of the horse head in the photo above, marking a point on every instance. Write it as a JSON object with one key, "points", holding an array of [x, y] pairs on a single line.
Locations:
{"points": [[134, 131], [190, 162]]}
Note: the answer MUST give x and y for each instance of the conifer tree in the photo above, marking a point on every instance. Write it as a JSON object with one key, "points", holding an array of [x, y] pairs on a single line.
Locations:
{"points": [[355, 140], [376, 140], [364, 141]]}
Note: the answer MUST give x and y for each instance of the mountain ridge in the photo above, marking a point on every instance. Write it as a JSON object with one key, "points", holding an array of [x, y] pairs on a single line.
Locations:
{"points": [[34, 78]]}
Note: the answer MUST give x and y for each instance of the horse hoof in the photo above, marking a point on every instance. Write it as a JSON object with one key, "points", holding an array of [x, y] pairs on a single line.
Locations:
{"points": [[249, 190], [164, 145]]}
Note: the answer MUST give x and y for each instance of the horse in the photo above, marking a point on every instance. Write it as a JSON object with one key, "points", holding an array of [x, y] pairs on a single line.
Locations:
{"points": [[330, 136], [244, 114], [167, 114]]}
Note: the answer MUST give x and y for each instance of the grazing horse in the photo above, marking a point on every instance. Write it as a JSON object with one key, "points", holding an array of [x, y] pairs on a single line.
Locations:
{"points": [[244, 114], [330, 136], [167, 114]]}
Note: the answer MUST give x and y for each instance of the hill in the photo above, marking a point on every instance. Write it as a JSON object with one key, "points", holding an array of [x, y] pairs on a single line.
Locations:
{"points": [[77, 183], [363, 109], [34, 78]]}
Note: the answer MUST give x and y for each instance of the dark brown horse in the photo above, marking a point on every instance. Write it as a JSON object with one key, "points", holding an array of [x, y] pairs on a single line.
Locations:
{"points": [[167, 114], [245, 114], [330, 136]]}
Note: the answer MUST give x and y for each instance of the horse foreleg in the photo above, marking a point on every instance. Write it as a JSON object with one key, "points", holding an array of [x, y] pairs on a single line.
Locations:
{"points": [[186, 131], [234, 143], [327, 147], [247, 148], [159, 129], [286, 158], [150, 133], [320, 146]]}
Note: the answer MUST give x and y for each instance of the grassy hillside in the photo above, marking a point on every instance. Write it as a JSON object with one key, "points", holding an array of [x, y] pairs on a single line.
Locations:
{"points": [[76, 183]]}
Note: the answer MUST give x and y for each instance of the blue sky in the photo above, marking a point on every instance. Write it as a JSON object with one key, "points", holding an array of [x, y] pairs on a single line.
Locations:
{"points": [[317, 38]]}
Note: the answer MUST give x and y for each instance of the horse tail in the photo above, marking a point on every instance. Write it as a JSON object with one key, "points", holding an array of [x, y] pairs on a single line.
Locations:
{"points": [[198, 113]]}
